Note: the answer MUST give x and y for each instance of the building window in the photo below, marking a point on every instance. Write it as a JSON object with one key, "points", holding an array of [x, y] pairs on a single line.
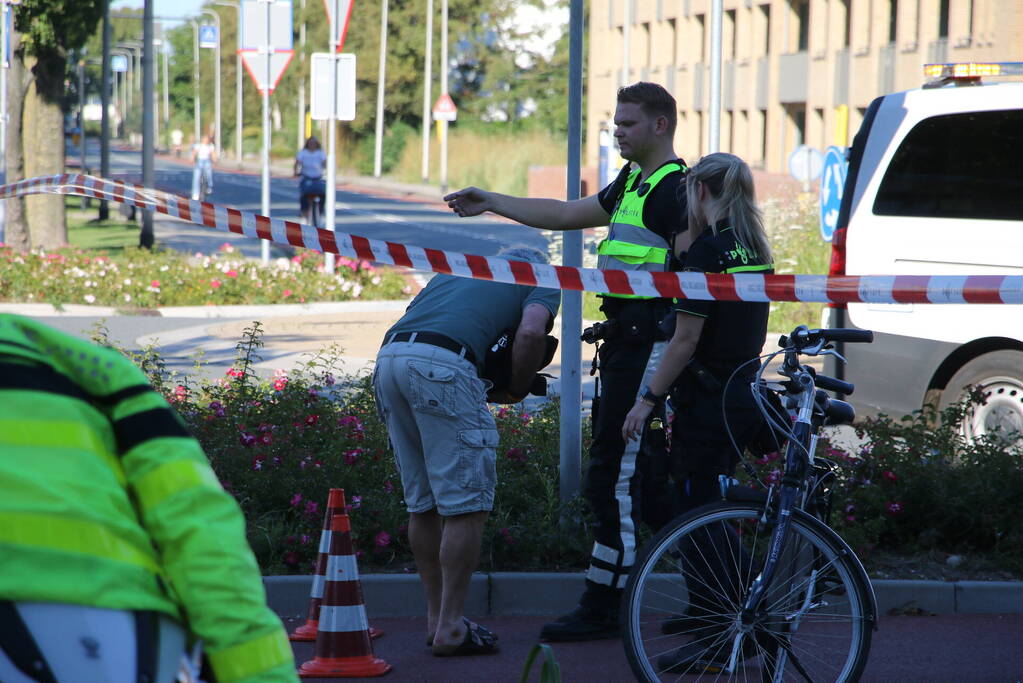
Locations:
{"points": [[893, 20], [943, 19], [847, 21], [702, 42], [766, 11], [803, 16], [730, 34], [673, 28]]}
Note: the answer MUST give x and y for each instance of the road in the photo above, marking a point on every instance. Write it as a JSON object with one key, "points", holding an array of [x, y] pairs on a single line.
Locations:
{"points": [[372, 214], [975, 648]]}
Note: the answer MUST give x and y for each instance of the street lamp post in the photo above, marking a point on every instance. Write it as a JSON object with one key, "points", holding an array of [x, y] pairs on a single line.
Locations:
{"points": [[195, 80], [427, 82], [381, 78], [125, 85], [216, 76], [237, 83]]}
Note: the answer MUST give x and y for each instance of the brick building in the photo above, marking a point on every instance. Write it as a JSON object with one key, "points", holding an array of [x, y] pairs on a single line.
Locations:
{"points": [[792, 70]]}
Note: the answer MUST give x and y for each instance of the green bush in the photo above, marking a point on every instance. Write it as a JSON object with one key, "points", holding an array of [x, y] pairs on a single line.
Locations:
{"points": [[918, 486], [395, 137], [279, 445], [139, 278]]}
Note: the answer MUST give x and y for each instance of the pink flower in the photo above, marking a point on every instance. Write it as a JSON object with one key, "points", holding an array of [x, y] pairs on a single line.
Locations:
{"points": [[773, 478], [286, 293], [232, 372], [248, 439], [155, 283], [383, 539], [507, 535], [311, 420], [215, 284], [893, 508], [266, 440], [296, 499], [889, 475], [388, 486], [291, 558], [311, 507], [356, 502], [217, 408], [516, 455], [352, 456], [231, 273], [850, 518], [280, 383], [257, 462]]}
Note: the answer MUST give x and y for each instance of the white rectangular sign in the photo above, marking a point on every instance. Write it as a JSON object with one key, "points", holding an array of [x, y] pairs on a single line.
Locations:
{"points": [[254, 24], [321, 73]]}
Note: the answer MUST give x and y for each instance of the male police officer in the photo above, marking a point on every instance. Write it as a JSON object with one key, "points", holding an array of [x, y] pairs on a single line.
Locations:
{"points": [[644, 210]]}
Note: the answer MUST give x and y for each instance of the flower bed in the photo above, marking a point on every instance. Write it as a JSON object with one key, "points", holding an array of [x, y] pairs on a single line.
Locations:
{"points": [[915, 489], [138, 278]]}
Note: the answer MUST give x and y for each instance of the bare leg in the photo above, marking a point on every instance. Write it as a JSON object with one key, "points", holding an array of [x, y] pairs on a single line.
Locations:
{"points": [[459, 555], [424, 535]]}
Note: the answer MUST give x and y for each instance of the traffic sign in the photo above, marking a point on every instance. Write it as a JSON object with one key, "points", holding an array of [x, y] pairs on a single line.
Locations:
{"points": [[343, 15], [119, 63], [323, 65], [208, 36], [266, 40], [832, 187], [444, 108], [255, 15], [805, 163], [266, 77]]}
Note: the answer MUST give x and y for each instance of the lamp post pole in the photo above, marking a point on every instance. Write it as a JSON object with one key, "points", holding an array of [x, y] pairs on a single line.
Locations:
{"points": [[381, 78], [216, 76], [237, 83], [427, 83], [197, 105]]}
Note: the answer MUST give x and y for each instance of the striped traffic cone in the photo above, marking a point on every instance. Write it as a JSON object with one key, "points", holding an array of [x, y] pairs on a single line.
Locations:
{"points": [[343, 647], [307, 631]]}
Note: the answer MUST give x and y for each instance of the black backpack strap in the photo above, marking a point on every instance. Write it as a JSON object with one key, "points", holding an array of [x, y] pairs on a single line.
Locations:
{"points": [[17, 643]]}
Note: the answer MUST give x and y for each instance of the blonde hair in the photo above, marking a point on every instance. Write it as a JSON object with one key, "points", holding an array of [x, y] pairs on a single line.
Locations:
{"points": [[730, 183]]}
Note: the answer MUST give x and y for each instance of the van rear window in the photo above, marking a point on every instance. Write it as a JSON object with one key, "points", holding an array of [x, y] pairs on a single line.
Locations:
{"points": [[957, 166]]}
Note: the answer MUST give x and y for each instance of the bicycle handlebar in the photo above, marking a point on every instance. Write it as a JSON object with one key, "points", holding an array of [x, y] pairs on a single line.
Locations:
{"points": [[801, 337], [832, 384]]}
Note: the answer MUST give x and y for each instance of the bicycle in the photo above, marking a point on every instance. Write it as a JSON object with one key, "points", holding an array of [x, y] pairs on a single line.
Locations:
{"points": [[315, 211], [758, 586], [204, 186]]}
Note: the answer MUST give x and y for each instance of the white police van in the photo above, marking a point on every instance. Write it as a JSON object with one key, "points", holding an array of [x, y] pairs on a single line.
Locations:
{"points": [[935, 187]]}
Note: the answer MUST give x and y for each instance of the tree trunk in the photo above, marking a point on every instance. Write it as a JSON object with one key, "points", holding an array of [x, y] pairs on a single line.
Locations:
{"points": [[16, 229], [43, 147]]}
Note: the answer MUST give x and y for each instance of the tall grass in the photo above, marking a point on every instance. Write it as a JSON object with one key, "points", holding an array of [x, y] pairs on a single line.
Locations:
{"points": [[792, 225], [498, 162]]}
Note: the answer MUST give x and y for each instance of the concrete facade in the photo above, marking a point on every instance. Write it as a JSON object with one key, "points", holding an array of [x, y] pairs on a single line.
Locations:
{"points": [[792, 70]]}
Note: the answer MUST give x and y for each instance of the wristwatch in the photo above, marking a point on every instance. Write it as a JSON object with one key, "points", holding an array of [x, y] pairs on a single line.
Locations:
{"points": [[649, 397]]}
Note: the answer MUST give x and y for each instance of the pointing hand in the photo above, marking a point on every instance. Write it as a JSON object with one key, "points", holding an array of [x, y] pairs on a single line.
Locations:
{"points": [[471, 201]]}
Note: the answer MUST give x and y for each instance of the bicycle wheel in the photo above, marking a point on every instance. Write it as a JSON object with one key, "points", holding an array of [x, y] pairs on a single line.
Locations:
{"points": [[681, 610], [315, 212]]}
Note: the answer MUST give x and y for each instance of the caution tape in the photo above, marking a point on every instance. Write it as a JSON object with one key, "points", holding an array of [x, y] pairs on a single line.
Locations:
{"points": [[904, 289]]}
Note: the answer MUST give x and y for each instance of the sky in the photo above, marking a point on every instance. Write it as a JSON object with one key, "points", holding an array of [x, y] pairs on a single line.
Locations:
{"points": [[164, 8]]}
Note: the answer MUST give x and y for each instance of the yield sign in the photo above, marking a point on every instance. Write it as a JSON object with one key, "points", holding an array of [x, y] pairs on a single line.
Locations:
{"points": [[339, 11], [444, 108], [266, 78]]}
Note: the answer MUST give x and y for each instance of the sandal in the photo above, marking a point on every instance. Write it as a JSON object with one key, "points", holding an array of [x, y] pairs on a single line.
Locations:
{"points": [[468, 624], [479, 640]]}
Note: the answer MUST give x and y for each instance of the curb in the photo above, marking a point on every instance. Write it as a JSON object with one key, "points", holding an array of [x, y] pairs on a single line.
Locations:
{"points": [[228, 311], [549, 594]]}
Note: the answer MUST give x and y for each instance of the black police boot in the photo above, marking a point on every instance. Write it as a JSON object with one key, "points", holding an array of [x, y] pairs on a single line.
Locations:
{"points": [[583, 623]]}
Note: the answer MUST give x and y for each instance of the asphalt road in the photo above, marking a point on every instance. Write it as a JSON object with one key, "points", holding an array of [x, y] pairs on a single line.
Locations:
{"points": [[372, 214], [907, 649]]}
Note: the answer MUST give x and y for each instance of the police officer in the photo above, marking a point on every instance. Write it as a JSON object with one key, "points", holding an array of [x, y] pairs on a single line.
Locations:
{"points": [[644, 211], [712, 344], [114, 532]]}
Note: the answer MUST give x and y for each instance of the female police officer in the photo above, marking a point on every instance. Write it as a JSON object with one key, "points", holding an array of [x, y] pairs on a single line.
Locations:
{"points": [[712, 340]]}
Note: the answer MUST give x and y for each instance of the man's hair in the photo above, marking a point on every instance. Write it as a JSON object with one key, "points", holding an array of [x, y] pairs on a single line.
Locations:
{"points": [[522, 252], [653, 99]]}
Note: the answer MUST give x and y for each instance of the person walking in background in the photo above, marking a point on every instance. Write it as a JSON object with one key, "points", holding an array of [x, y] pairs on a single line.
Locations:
{"points": [[177, 137], [430, 395], [204, 155], [706, 369], [117, 542], [626, 482]]}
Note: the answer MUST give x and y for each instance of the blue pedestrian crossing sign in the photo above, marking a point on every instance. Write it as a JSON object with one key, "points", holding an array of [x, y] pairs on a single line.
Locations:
{"points": [[207, 35], [119, 63], [832, 186]]}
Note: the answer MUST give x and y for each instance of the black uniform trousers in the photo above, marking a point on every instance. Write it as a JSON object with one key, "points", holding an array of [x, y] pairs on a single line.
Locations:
{"points": [[626, 483]]}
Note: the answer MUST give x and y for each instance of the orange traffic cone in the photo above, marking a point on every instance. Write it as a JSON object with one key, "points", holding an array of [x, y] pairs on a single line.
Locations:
{"points": [[343, 647], [307, 631]]}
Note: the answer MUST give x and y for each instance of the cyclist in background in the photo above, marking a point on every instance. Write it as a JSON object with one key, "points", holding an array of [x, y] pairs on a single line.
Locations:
{"points": [[204, 154], [117, 542], [310, 163]]}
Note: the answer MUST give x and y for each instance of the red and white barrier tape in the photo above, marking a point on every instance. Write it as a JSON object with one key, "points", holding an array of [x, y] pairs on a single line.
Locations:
{"points": [[934, 289]]}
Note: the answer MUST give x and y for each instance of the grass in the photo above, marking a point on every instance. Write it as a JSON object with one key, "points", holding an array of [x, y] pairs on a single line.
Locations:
{"points": [[85, 231]]}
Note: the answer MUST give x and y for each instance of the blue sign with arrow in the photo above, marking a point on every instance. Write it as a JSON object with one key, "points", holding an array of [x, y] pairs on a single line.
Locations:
{"points": [[832, 186]]}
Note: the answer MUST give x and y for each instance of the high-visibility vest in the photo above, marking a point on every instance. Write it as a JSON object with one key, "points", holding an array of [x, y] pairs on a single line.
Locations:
{"points": [[630, 245], [107, 501]]}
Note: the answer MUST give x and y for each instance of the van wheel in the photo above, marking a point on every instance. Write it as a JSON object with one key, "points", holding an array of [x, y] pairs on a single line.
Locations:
{"points": [[1000, 377]]}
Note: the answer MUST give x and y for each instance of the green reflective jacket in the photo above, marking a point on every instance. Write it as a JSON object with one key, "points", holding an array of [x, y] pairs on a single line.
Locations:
{"points": [[105, 500]]}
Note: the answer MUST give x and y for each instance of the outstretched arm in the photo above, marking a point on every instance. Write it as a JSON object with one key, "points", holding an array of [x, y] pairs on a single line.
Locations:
{"points": [[550, 214]]}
